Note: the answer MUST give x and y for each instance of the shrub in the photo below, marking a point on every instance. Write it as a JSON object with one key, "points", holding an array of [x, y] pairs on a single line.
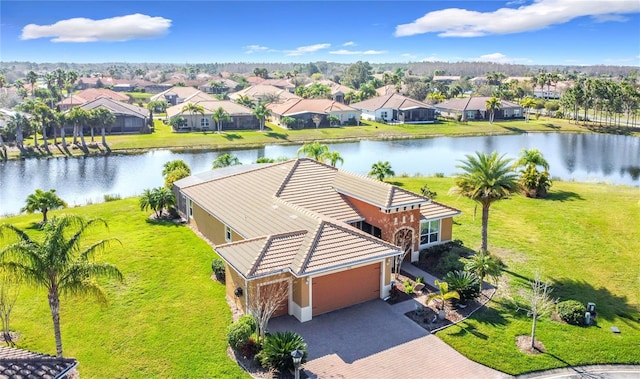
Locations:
{"points": [[249, 320], [250, 348], [465, 283], [277, 348], [571, 311], [420, 279], [238, 334], [217, 265], [109, 197], [450, 262], [408, 288]]}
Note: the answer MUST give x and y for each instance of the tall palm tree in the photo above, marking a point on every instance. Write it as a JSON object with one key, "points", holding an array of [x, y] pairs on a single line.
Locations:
{"points": [[60, 263], [19, 122], [32, 78], [43, 201], [192, 108], [486, 178], [333, 157], [527, 103], [79, 118], [493, 105], [225, 160], [315, 150], [219, 116], [103, 118], [381, 170], [245, 100], [483, 264], [262, 113]]}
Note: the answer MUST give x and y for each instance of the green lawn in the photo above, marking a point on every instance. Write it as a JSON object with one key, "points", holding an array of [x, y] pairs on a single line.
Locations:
{"points": [[164, 137], [167, 320], [585, 240]]}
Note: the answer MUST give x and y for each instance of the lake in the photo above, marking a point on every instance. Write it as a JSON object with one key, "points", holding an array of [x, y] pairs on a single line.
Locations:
{"points": [[606, 158]]}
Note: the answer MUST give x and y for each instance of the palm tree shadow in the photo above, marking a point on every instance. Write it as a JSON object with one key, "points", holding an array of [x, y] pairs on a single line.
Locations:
{"points": [[513, 129], [232, 136], [551, 126], [466, 328], [563, 196], [276, 135]]}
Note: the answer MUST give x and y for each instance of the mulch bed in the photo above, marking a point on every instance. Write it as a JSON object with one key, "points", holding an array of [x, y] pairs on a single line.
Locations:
{"points": [[524, 345]]}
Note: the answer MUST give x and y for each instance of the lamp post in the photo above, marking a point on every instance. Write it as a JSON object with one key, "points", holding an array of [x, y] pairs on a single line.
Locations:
{"points": [[297, 358]]}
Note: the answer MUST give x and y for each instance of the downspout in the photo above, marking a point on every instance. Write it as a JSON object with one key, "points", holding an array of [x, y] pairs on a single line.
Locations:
{"points": [[246, 296]]}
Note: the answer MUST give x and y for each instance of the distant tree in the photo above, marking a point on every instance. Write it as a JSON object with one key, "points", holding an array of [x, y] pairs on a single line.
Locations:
{"points": [[32, 78], [493, 105], [381, 170], [357, 74], [427, 192], [173, 165], [157, 199], [245, 100], [43, 201], [314, 150], [220, 116], [527, 103], [262, 113], [333, 157], [225, 160]]}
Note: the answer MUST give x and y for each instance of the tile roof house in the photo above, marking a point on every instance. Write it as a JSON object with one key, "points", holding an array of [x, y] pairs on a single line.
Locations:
{"points": [[395, 108], [280, 83], [176, 95], [475, 108], [128, 118], [218, 86], [242, 118], [17, 363], [331, 236], [91, 94], [310, 111], [337, 90], [264, 92]]}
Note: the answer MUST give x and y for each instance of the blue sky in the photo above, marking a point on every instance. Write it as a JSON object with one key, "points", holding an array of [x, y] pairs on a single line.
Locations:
{"points": [[563, 32]]}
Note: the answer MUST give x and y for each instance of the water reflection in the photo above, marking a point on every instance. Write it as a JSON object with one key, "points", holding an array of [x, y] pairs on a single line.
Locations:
{"points": [[580, 157]]}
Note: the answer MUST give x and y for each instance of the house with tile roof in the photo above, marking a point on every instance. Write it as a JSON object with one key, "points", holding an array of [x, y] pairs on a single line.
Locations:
{"points": [[331, 236], [241, 117], [90, 94], [395, 108], [310, 111], [128, 117], [264, 93], [337, 91], [475, 108], [18, 363], [177, 95]]}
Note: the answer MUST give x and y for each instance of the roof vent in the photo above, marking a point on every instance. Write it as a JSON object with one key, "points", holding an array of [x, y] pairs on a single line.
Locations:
{"points": [[293, 217], [274, 206]]}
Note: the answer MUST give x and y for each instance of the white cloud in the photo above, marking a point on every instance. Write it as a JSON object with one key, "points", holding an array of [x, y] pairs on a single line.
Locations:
{"points": [[350, 43], [354, 52], [255, 48], [456, 22], [609, 18], [121, 28], [307, 49], [500, 58]]}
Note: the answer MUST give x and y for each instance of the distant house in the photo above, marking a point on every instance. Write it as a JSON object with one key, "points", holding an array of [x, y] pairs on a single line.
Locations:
{"points": [[129, 118], [337, 91], [395, 108], [390, 89], [446, 79], [218, 86], [330, 237], [280, 83], [475, 108], [264, 92], [241, 117], [308, 111], [18, 363], [91, 94], [177, 95]]}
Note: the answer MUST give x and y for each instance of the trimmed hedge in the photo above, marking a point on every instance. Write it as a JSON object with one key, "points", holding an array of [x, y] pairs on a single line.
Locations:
{"points": [[571, 311]]}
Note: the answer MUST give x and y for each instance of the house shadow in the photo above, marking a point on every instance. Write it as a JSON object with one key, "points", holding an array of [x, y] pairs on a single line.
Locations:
{"points": [[352, 333], [232, 136], [563, 196], [608, 305]]}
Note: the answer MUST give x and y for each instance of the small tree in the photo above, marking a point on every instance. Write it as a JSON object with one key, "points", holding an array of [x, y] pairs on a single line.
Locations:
{"points": [[315, 150], [225, 160], [483, 264], [427, 192], [381, 170], [9, 290], [538, 299], [157, 199], [43, 201], [263, 304], [442, 296]]}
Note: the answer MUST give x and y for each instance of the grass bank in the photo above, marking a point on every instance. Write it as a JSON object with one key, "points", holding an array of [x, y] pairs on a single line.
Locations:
{"points": [[584, 239], [164, 138], [167, 320]]}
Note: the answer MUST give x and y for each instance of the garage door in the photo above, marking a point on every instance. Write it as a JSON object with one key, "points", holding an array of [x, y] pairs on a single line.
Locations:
{"points": [[277, 288], [345, 288]]}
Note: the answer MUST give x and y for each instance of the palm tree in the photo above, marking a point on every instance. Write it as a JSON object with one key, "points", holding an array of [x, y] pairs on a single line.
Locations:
{"points": [[219, 116], [245, 100], [156, 106], [225, 160], [174, 165], [493, 105], [531, 156], [157, 199], [192, 108], [19, 123], [483, 264], [333, 157], [533, 182], [262, 113], [43, 201], [486, 179], [315, 150], [527, 103], [103, 118], [79, 118], [60, 263], [381, 170], [32, 78], [442, 296]]}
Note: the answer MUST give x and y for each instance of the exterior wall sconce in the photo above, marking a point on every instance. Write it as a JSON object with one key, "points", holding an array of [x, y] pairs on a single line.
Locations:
{"points": [[238, 292]]}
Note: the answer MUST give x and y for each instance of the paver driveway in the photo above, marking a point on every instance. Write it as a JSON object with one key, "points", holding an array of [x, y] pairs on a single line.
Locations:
{"points": [[371, 340]]}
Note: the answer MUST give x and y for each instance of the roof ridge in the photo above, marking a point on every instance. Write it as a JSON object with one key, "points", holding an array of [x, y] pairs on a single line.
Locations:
{"points": [[263, 251], [467, 104], [307, 252], [285, 181]]}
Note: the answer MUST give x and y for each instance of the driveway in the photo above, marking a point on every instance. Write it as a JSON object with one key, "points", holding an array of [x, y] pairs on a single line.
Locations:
{"points": [[374, 340]]}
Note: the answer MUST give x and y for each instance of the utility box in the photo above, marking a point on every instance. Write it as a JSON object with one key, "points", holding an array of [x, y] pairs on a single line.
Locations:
{"points": [[591, 308]]}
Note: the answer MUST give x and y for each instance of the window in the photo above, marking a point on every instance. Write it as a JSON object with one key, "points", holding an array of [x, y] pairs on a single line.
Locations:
{"points": [[471, 114], [516, 112], [429, 232], [227, 234], [370, 229], [190, 208], [204, 122], [383, 115]]}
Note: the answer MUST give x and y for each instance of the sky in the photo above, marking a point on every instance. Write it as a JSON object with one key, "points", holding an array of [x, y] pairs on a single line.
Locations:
{"points": [[531, 32]]}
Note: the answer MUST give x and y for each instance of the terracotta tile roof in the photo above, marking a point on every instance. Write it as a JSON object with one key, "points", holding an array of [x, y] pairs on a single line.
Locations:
{"points": [[280, 83], [90, 94], [117, 107], [375, 192], [434, 210], [182, 92], [300, 106], [261, 90], [391, 101], [17, 363], [333, 86], [473, 103]]}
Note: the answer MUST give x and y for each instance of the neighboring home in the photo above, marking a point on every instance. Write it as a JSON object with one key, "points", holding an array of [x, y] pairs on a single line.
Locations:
{"points": [[280, 83], [90, 94], [337, 90], [18, 363], [446, 79], [255, 79], [475, 108], [395, 108], [390, 89], [241, 117], [129, 118], [310, 111], [218, 86], [177, 95], [95, 82], [331, 236], [264, 92]]}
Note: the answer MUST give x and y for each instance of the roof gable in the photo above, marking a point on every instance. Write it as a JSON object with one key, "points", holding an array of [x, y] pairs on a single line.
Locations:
{"points": [[117, 107], [390, 101]]}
